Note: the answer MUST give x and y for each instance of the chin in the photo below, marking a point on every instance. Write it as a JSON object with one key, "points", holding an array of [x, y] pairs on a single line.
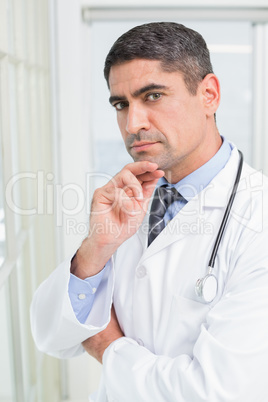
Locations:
{"points": [[144, 157]]}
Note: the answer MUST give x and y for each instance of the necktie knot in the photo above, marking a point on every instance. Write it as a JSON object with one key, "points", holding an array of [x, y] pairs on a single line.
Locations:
{"points": [[163, 197]]}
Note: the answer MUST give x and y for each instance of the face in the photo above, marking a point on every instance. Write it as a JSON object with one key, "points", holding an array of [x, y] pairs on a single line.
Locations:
{"points": [[160, 121]]}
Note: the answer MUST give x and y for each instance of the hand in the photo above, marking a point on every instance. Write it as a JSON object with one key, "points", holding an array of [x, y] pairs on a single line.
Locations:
{"points": [[121, 201], [117, 210], [97, 344]]}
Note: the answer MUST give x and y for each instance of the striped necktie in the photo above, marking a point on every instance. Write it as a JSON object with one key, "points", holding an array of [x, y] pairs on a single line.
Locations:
{"points": [[163, 197]]}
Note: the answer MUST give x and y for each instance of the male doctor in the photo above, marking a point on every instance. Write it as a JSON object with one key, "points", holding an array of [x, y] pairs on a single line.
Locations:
{"points": [[129, 296]]}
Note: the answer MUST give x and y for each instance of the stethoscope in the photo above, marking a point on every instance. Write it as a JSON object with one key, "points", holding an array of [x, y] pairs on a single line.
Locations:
{"points": [[206, 288]]}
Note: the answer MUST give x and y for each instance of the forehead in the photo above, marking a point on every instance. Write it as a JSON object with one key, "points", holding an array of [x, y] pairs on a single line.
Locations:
{"points": [[139, 72]]}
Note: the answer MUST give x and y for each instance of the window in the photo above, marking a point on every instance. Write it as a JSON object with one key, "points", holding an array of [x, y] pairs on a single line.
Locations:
{"points": [[2, 214], [27, 242]]}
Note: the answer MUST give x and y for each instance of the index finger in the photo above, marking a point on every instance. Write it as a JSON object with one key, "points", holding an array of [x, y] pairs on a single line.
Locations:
{"points": [[134, 171], [130, 177], [150, 176], [138, 168]]}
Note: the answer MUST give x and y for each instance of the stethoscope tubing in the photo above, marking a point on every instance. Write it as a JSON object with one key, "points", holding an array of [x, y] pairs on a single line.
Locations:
{"points": [[226, 213]]}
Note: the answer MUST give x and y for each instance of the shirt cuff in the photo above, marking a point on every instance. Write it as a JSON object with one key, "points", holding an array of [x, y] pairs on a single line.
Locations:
{"points": [[82, 294]]}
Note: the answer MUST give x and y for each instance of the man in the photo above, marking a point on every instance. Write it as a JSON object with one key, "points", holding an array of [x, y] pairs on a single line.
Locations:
{"points": [[130, 299]]}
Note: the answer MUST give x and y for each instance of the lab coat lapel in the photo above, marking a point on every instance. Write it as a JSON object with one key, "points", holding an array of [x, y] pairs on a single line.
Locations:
{"points": [[177, 229]]}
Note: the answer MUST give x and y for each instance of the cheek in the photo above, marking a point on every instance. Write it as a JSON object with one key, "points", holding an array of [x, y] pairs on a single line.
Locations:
{"points": [[180, 126], [171, 122], [172, 114], [185, 119]]}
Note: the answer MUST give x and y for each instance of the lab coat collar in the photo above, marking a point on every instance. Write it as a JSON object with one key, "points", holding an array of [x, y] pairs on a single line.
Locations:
{"points": [[217, 193]]}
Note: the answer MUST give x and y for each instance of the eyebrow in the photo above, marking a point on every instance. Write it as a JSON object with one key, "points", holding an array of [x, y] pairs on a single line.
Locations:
{"points": [[138, 92]]}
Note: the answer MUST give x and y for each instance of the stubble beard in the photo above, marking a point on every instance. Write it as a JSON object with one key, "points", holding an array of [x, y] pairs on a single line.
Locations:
{"points": [[161, 159]]}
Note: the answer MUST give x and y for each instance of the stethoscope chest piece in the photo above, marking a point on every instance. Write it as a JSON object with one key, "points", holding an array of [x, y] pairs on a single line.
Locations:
{"points": [[207, 287]]}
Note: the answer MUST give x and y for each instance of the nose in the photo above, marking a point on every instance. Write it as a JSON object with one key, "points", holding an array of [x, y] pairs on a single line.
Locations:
{"points": [[137, 119]]}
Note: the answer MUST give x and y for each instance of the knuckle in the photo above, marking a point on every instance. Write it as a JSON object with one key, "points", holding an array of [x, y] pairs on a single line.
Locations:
{"points": [[126, 176], [129, 165], [126, 169]]}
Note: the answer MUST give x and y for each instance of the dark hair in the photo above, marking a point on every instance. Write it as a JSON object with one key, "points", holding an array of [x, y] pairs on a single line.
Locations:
{"points": [[177, 47]]}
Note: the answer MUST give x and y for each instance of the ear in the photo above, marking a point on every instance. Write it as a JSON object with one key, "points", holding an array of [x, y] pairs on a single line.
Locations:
{"points": [[210, 87]]}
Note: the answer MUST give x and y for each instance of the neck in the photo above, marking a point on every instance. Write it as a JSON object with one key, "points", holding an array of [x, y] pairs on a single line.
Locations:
{"points": [[199, 157]]}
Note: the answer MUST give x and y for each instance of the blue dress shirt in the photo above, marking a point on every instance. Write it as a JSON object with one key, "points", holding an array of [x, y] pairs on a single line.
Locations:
{"points": [[82, 292]]}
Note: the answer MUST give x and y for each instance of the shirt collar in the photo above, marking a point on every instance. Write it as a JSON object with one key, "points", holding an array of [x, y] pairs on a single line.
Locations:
{"points": [[196, 181]]}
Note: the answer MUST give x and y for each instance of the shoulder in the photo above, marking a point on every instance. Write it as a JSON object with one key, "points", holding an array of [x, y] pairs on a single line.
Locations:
{"points": [[254, 184], [252, 199]]}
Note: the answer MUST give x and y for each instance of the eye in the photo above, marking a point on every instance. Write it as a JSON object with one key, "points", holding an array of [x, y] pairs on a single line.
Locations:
{"points": [[120, 105], [154, 96]]}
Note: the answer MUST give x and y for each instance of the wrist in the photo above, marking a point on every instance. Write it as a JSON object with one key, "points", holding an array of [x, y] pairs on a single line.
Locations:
{"points": [[88, 261]]}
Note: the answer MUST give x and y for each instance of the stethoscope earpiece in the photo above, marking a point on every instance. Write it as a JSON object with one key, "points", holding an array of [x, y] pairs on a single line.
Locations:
{"points": [[206, 288]]}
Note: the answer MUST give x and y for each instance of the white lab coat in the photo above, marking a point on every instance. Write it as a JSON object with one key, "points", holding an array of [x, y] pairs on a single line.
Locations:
{"points": [[176, 347]]}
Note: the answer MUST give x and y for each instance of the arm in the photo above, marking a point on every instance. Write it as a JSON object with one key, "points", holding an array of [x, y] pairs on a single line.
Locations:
{"points": [[97, 344], [55, 327]]}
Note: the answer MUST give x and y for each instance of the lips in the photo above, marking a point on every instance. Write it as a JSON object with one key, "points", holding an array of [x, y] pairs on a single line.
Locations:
{"points": [[143, 145]]}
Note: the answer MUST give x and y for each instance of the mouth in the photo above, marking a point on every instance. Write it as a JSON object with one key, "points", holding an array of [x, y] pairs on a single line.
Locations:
{"points": [[143, 145]]}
